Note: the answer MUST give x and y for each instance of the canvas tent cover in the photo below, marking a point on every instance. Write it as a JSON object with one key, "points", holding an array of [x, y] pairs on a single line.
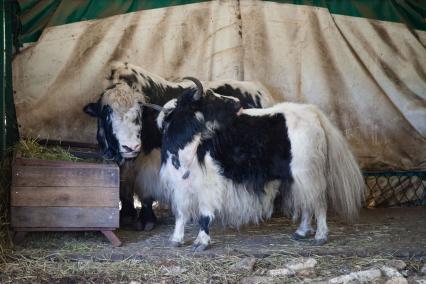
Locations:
{"points": [[363, 65]]}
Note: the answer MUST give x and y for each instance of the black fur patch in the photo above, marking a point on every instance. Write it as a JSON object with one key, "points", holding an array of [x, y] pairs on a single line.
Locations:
{"points": [[247, 100], [111, 75], [252, 151], [107, 137], [182, 128], [130, 79], [204, 223], [157, 94], [175, 162]]}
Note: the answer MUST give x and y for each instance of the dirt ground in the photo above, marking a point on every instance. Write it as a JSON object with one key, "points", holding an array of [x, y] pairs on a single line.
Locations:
{"points": [[379, 236]]}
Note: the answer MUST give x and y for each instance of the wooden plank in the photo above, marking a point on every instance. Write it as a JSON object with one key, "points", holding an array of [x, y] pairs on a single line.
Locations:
{"points": [[115, 241], [53, 229], [67, 144], [67, 217], [58, 176], [65, 196], [82, 154], [64, 164]]}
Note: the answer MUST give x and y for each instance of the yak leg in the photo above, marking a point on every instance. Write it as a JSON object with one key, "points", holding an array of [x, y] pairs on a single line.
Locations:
{"points": [[322, 229], [178, 234], [128, 211], [147, 218], [305, 229], [203, 239]]}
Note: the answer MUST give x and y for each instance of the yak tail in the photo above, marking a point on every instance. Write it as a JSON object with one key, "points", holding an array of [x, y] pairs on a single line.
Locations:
{"points": [[345, 183]]}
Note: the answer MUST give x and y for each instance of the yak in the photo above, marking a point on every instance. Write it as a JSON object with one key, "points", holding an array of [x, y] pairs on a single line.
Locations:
{"points": [[222, 161]]}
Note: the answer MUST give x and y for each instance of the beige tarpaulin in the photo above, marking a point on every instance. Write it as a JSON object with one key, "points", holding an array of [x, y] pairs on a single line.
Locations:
{"points": [[369, 76]]}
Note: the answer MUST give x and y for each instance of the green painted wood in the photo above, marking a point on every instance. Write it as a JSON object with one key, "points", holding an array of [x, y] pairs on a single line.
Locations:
{"points": [[3, 82], [8, 129], [12, 134], [410, 12], [37, 15]]}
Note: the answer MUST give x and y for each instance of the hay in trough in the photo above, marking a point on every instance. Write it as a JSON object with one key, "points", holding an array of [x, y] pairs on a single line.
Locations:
{"points": [[31, 148]]}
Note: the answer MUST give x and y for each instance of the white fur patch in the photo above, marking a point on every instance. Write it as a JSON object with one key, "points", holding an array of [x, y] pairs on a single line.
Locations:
{"points": [[207, 192], [250, 87], [202, 238], [199, 116], [226, 97], [127, 131]]}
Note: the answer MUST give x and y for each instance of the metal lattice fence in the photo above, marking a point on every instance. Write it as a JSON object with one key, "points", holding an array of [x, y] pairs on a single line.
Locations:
{"points": [[387, 189]]}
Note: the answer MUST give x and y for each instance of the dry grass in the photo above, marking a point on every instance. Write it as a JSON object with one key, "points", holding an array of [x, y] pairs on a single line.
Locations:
{"points": [[30, 148], [174, 269], [27, 148], [53, 257]]}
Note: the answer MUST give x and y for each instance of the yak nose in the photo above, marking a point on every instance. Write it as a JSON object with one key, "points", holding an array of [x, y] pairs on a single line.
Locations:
{"points": [[133, 148]]}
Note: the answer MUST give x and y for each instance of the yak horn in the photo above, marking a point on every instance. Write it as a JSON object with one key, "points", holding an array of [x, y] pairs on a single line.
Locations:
{"points": [[200, 90], [153, 106]]}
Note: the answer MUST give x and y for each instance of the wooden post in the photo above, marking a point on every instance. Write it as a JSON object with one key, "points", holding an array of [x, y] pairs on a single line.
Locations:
{"points": [[115, 241]]}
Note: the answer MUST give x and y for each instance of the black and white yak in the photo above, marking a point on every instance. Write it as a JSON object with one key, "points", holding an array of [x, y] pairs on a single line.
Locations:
{"points": [[127, 126], [223, 161]]}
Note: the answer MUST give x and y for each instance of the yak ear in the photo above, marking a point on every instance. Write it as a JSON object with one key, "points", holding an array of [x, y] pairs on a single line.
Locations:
{"points": [[93, 109]]}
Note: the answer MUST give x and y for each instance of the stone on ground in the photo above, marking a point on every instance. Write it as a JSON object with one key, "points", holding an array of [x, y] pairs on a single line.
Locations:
{"points": [[175, 269], [396, 263], [390, 272], [417, 280], [364, 276], [257, 280], [303, 266], [397, 280], [246, 264], [281, 272]]}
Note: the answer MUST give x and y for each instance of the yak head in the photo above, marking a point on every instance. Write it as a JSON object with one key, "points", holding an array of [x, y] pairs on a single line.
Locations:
{"points": [[118, 112], [187, 120]]}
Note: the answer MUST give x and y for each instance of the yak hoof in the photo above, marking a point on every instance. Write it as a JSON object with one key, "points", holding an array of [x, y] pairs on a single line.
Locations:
{"points": [[199, 247], [298, 237], [138, 226], [175, 244], [319, 242], [149, 226]]}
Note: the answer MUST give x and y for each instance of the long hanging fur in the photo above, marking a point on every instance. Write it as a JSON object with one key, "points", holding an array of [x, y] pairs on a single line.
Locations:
{"points": [[325, 171], [346, 185]]}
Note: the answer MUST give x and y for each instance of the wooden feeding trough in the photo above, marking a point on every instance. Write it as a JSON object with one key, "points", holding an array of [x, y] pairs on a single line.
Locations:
{"points": [[64, 196]]}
